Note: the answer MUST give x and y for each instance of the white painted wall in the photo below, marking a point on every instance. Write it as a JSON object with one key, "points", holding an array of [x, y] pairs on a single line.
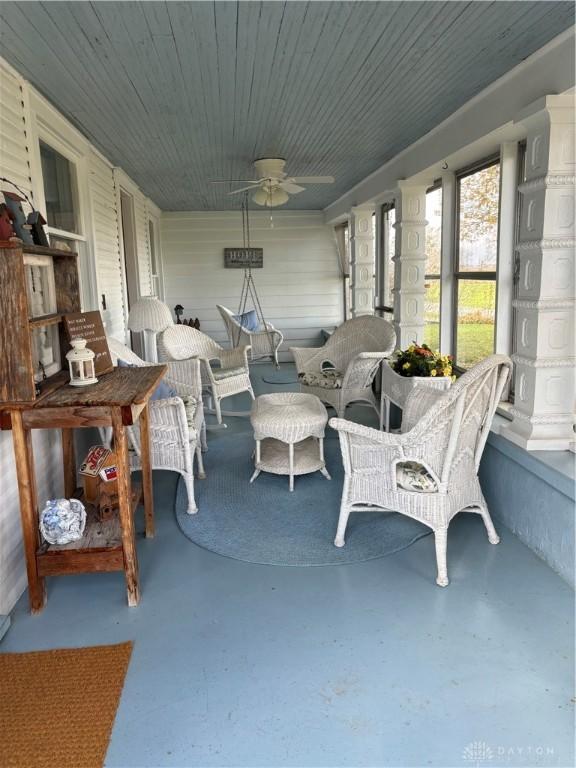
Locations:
{"points": [[300, 287], [22, 111]]}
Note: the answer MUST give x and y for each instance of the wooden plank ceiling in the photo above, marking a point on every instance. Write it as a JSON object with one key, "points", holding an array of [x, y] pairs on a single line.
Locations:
{"points": [[178, 93]]}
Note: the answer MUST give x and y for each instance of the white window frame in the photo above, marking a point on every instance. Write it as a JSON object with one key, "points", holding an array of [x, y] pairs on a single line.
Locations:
{"points": [[509, 157], [49, 127], [154, 245]]}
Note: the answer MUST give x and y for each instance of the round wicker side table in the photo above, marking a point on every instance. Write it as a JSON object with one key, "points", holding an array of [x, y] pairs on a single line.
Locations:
{"points": [[289, 433]]}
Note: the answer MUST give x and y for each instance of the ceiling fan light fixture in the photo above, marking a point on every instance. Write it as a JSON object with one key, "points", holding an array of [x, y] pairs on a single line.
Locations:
{"points": [[270, 198]]}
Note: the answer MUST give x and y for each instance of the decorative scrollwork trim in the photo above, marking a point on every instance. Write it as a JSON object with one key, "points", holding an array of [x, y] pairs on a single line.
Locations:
{"points": [[543, 304], [535, 245], [546, 182], [562, 418], [553, 362]]}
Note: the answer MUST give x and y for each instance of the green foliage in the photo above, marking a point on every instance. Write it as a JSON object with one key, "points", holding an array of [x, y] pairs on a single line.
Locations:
{"points": [[420, 360]]}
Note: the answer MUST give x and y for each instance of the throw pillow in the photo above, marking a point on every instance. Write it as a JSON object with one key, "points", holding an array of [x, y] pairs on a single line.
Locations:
{"points": [[162, 391], [248, 321], [413, 476]]}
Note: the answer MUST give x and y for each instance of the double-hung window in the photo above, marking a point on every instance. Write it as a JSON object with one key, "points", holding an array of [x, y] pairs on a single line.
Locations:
{"points": [[66, 225], [476, 258]]}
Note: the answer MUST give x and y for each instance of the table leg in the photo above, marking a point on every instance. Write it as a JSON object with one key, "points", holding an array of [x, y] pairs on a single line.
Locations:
{"points": [[24, 457], [125, 508], [69, 461], [291, 464], [147, 472]]}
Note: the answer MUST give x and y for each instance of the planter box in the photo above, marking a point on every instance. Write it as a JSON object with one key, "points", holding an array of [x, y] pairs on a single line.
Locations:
{"points": [[396, 388]]}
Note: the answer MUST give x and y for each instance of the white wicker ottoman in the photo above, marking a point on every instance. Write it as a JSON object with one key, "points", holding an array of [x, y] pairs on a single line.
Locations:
{"points": [[289, 433]]}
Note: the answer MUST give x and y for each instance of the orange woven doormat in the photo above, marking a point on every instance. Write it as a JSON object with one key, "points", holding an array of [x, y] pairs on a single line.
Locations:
{"points": [[57, 707]]}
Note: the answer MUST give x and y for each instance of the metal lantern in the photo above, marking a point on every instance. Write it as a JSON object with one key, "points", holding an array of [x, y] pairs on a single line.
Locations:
{"points": [[81, 362]]}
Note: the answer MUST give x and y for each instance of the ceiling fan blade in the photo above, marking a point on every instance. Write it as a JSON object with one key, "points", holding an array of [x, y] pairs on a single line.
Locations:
{"points": [[312, 179], [292, 189], [244, 189], [233, 181]]}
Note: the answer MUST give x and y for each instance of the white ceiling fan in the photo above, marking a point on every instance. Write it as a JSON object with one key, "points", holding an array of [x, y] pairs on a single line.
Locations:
{"points": [[273, 187]]}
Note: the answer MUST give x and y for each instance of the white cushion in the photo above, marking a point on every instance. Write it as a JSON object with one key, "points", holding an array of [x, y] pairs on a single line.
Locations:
{"points": [[327, 379], [412, 476]]}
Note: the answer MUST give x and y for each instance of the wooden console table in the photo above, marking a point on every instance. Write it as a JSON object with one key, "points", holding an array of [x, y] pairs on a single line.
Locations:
{"points": [[118, 400]]}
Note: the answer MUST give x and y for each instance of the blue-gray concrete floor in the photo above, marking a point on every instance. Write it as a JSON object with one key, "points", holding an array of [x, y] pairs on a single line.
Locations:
{"points": [[369, 664]]}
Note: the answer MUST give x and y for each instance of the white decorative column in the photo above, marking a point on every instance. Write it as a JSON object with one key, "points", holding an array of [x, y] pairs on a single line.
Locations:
{"points": [[543, 411], [410, 263], [362, 263]]}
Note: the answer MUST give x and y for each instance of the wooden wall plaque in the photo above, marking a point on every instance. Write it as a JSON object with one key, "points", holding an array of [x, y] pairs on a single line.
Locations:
{"points": [[242, 258], [88, 325]]}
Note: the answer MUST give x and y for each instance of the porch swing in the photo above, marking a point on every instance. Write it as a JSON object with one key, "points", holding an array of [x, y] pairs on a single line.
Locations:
{"points": [[265, 340]]}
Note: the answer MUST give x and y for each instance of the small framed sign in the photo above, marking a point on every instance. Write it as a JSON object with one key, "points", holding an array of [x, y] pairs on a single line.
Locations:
{"points": [[88, 325], [243, 258]]}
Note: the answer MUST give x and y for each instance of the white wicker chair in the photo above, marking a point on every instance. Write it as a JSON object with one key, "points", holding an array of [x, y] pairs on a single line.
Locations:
{"points": [[181, 343], [172, 442], [354, 351], [443, 432], [265, 343]]}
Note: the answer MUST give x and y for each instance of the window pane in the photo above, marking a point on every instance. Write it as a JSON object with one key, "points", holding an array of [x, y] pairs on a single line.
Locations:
{"points": [[433, 231], [432, 314], [475, 321], [478, 198], [391, 250], [59, 179]]}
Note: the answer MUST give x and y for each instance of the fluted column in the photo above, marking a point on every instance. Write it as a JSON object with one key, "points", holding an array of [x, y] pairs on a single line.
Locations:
{"points": [[362, 263], [410, 263], [543, 411]]}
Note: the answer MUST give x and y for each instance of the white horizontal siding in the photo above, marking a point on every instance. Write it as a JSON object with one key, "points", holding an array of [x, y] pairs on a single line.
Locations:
{"points": [[299, 287], [106, 243], [15, 165], [14, 150], [16, 139]]}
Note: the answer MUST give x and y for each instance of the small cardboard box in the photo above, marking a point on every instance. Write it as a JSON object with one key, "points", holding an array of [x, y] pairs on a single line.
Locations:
{"points": [[99, 473]]}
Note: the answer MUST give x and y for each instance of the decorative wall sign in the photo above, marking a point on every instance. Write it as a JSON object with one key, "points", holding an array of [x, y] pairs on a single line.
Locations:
{"points": [[88, 325], [243, 258]]}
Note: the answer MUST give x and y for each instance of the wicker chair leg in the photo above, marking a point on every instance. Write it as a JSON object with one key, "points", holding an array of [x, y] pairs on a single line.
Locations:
{"points": [[218, 410], [344, 515], [493, 537], [203, 440], [200, 460], [189, 480], [441, 539]]}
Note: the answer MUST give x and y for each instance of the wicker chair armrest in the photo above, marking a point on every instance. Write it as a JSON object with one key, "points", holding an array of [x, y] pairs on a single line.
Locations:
{"points": [[363, 366], [277, 335], [369, 434], [308, 358], [234, 358], [184, 376]]}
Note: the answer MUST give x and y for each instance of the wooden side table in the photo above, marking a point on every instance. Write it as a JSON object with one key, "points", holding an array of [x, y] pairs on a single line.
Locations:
{"points": [[119, 399]]}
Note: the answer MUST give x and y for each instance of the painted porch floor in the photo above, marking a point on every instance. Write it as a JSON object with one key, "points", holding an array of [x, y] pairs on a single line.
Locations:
{"points": [[369, 664]]}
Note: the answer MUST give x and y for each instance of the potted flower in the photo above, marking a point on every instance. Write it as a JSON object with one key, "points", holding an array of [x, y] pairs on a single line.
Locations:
{"points": [[415, 366]]}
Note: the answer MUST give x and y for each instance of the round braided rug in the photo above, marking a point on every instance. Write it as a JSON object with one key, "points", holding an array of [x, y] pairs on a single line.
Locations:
{"points": [[262, 522]]}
